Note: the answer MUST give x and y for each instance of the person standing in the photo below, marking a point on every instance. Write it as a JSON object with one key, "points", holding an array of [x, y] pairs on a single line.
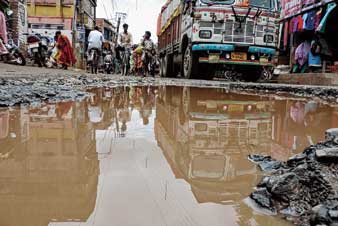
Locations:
{"points": [[125, 37], [148, 51], [125, 42], [95, 39], [65, 48]]}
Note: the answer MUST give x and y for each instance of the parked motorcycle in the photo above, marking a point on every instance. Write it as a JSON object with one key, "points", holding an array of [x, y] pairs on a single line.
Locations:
{"points": [[38, 48], [13, 54]]}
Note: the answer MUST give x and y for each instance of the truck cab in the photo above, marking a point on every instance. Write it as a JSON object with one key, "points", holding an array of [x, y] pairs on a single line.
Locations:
{"points": [[199, 38]]}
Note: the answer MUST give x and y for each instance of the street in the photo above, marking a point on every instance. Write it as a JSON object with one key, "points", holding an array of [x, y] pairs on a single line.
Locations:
{"points": [[168, 113], [148, 151]]}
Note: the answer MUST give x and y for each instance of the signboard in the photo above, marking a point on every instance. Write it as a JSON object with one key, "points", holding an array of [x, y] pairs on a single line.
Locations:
{"points": [[291, 7]]}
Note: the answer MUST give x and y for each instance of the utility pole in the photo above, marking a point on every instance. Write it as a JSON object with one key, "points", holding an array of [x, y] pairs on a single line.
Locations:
{"points": [[120, 17]]}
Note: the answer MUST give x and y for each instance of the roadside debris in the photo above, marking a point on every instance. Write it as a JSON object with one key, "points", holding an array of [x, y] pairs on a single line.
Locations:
{"points": [[305, 188]]}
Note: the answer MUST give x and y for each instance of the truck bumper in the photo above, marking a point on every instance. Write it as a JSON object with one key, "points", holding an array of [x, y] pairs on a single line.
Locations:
{"points": [[231, 54]]}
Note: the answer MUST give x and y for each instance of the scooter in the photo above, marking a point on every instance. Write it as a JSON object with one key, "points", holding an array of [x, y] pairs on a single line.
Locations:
{"points": [[13, 54], [38, 48]]}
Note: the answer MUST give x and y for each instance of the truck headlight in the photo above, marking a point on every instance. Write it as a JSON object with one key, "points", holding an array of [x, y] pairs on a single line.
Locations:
{"points": [[204, 34]]}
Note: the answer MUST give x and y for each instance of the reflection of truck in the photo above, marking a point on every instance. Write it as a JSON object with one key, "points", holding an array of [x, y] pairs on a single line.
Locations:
{"points": [[204, 36], [207, 138]]}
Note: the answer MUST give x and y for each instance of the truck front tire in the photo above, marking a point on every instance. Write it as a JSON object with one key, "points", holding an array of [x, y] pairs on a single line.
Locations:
{"points": [[189, 64]]}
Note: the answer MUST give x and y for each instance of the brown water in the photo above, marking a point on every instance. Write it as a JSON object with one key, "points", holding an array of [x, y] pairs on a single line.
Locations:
{"points": [[148, 156]]}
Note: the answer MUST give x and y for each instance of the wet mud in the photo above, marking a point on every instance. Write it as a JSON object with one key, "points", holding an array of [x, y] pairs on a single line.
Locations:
{"points": [[149, 155]]}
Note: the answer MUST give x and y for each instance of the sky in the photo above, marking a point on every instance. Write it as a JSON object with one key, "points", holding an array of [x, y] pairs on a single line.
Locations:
{"points": [[142, 14]]}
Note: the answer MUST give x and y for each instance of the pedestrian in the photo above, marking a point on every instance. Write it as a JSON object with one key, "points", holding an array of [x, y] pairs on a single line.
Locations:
{"points": [[3, 28], [125, 38], [63, 44], [95, 40], [3, 49]]}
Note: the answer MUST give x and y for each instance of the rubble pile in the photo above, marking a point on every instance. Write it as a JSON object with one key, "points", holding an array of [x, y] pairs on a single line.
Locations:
{"points": [[305, 188]]}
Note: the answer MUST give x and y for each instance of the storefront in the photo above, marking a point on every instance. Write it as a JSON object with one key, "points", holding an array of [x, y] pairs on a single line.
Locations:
{"points": [[309, 35], [4, 11]]}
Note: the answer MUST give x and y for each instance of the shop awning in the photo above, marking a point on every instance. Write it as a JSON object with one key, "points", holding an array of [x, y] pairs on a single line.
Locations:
{"points": [[307, 8]]}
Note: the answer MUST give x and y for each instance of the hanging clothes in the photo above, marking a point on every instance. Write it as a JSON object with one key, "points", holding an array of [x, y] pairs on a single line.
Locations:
{"points": [[310, 21], [318, 17], [304, 18], [3, 27], [322, 26], [286, 34], [300, 23], [295, 25]]}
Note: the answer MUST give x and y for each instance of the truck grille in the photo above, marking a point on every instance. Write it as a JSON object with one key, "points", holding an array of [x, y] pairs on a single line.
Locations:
{"points": [[232, 32], [237, 34]]}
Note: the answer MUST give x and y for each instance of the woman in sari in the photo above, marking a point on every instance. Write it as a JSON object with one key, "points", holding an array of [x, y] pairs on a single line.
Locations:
{"points": [[66, 56]]}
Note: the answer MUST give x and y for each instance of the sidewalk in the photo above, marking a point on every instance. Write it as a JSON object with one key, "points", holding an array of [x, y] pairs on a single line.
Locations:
{"points": [[10, 70], [322, 79]]}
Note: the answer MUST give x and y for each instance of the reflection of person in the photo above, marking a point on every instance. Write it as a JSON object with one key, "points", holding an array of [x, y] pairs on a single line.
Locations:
{"points": [[303, 125], [4, 124], [62, 109], [63, 44], [297, 113], [146, 105]]}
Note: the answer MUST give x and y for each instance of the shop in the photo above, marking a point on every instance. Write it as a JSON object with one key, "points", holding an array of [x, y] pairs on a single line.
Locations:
{"points": [[4, 12], [309, 34]]}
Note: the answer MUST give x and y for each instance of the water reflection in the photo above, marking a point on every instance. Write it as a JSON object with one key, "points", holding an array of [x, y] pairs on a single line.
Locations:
{"points": [[58, 164], [206, 136], [48, 166]]}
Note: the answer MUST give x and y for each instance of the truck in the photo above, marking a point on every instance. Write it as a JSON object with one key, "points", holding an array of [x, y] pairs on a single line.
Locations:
{"points": [[236, 39]]}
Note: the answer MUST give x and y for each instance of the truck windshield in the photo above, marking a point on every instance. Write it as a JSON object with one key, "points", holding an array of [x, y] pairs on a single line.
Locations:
{"points": [[222, 2], [266, 4]]}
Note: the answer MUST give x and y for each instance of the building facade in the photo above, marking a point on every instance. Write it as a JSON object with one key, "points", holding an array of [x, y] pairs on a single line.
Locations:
{"points": [[48, 16], [107, 28], [73, 18]]}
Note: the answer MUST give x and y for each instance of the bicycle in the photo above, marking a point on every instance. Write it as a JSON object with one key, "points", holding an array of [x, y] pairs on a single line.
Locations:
{"points": [[94, 58], [125, 56]]}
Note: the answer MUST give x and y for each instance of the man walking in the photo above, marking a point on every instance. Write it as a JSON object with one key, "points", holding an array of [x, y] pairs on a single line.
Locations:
{"points": [[95, 39]]}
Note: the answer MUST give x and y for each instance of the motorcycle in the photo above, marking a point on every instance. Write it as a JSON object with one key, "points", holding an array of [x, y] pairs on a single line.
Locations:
{"points": [[108, 63], [38, 48], [13, 54], [124, 54], [150, 63]]}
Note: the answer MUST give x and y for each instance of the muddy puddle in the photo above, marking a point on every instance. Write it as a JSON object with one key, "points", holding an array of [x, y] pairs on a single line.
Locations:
{"points": [[148, 156]]}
